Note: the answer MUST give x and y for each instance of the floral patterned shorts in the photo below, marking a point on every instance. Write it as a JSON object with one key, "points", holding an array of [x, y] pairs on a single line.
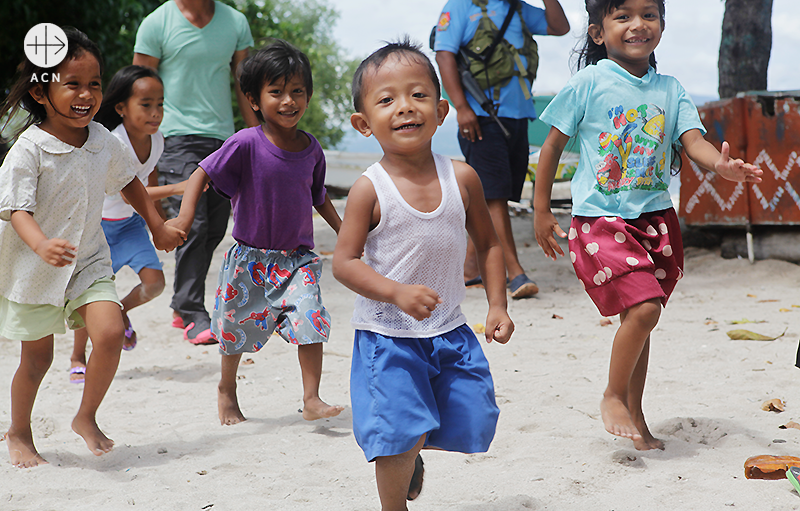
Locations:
{"points": [[260, 291]]}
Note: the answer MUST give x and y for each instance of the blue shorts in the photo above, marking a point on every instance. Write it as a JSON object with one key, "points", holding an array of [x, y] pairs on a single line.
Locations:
{"points": [[130, 244], [260, 291], [402, 388]]}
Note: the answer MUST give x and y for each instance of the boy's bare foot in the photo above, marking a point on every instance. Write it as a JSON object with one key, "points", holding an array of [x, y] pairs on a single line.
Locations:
{"points": [[22, 452], [95, 440], [228, 405], [617, 419], [315, 408], [648, 441]]}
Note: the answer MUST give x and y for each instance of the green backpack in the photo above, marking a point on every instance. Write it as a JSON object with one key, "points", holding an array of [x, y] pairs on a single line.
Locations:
{"points": [[495, 66]]}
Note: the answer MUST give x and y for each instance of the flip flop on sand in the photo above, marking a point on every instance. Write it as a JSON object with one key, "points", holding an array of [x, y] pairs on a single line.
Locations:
{"points": [[197, 338], [130, 335], [793, 474], [477, 281], [415, 487], [77, 370]]}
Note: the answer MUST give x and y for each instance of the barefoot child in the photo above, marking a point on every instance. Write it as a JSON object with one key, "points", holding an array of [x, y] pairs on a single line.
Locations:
{"points": [[624, 240], [419, 377], [54, 260], [132, 109], [273, 174]]}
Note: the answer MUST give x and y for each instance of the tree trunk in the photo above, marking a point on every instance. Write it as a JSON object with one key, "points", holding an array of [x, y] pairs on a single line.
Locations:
{"points": [[745, 46]]}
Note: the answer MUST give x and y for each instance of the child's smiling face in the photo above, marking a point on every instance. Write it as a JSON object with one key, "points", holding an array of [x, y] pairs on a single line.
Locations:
{"points": [[630, 34], [143, 111], [282, 103], [72, 102], [400, 104]]}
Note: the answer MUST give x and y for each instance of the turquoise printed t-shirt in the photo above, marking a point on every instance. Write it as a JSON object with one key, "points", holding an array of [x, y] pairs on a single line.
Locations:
{"points": [[457, 25], [626, 126], [195, 65]]}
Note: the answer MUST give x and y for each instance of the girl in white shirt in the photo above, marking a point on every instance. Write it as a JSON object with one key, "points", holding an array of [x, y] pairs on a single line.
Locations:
{"points": [[132, 110], [54, 260]]}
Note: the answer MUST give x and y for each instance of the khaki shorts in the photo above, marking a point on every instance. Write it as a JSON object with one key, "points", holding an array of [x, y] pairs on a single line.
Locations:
{"points": [[31, 322]]}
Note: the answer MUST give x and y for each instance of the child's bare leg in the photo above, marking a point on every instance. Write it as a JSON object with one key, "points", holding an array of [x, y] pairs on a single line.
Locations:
{"points": [[635, 394], [104, 326], [152, 285], [310, 356], [636, 324], [227, 402], [393, 475], [34, 361], [78, 357]]}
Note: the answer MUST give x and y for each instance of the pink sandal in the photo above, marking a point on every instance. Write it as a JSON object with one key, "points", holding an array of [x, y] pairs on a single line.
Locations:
{"points": [[129, 333], [78, 370]]}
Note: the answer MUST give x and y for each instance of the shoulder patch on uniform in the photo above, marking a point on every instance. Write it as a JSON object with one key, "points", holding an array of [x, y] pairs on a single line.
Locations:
{"points": [[444, 22]]}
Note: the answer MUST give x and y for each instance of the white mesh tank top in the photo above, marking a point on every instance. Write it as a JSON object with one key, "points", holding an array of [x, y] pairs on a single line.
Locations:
{"points": [[412, 247]]}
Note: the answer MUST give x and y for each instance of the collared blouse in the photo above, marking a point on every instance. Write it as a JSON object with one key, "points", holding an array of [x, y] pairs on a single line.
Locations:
{"points": [[63, 186]]}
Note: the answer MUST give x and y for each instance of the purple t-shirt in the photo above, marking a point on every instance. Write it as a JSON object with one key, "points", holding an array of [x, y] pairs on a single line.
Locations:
{"points": [[272, 191]]}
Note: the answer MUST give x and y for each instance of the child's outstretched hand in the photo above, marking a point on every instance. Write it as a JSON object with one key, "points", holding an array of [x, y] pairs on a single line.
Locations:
{"points": [[417, 301], [499, 326], [56, 252], [545, 228], [167, 237], [736, 170]]}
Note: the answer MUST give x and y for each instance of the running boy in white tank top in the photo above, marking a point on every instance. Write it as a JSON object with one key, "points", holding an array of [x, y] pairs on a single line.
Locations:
{"points": [[419, 377]]}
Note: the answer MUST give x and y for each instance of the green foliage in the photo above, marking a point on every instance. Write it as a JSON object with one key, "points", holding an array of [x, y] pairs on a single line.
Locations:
{"points": [[306, 24], [112, 24]]}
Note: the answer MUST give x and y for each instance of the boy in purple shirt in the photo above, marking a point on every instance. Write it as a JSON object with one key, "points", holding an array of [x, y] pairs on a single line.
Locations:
{"points": [[269, 280]]}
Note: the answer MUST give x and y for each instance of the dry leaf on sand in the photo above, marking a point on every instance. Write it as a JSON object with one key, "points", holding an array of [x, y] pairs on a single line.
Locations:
{"points": [[478, 328], [556, 316], [605, 322], [773, 405], [747, 335], [790, 424]]}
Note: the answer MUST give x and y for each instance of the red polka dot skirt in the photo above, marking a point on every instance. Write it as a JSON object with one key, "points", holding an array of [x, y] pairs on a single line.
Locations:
{"points": [[621, 263]]}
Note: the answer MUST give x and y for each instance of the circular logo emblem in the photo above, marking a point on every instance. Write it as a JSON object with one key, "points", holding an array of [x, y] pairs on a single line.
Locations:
{"points": [[46, 45]]}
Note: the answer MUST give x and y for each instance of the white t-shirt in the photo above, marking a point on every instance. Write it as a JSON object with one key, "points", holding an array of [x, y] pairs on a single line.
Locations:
{"points": [[114, 207], [63, 186]]}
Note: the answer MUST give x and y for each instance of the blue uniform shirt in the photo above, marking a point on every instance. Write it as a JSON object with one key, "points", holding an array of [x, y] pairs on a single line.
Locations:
{"points": [[457, 25]]}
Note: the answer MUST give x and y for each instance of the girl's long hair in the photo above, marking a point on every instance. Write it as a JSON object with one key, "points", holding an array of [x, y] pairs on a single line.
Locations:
{"points": [[30, 74], [592, 53], [118, 91]]}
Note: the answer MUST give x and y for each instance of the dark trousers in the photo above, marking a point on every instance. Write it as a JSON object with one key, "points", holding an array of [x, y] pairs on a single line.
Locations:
{"points": [[193, 258]]}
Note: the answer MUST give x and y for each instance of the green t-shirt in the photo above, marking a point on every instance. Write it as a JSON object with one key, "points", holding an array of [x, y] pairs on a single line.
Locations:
{"points": [[194, 64]]}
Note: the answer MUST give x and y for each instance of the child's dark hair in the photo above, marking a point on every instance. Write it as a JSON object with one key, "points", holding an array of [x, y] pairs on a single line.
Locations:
{"points": [[118, 91], [592, 53], [30, 74], [278, 60], [377, 59]]}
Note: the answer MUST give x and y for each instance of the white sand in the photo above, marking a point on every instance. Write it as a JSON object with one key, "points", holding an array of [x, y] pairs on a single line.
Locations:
{"points": [[550, 452]]}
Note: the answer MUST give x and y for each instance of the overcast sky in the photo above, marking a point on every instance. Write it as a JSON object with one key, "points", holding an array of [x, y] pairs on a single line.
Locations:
{"points": [[688, 50]]}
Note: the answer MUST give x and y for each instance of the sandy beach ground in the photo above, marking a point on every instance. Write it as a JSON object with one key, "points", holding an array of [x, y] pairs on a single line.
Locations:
{"points": [[550, 452]]}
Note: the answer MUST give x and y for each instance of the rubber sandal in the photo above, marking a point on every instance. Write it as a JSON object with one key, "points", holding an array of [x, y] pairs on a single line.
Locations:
{"points": [[78, 370], [415, 487], [477, 281], [793, 474], [522, 287], [204, 337], [129, 332], [177, 322]]}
